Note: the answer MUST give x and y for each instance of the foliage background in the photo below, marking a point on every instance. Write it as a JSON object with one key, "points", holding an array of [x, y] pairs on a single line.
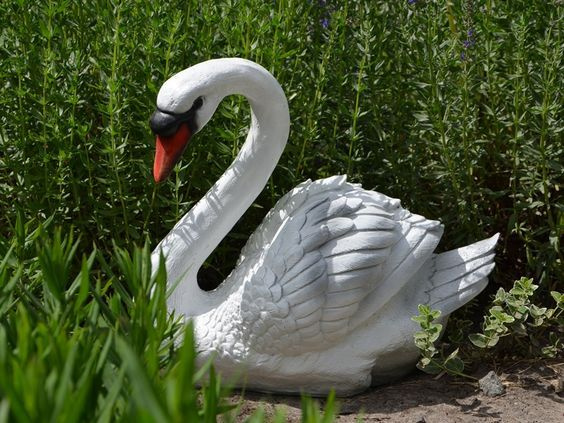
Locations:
{"points": [[453, 106]]}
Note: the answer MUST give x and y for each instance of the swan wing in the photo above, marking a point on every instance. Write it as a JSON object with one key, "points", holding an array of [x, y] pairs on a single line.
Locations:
{"points": [[328, 257], [284, 208]]}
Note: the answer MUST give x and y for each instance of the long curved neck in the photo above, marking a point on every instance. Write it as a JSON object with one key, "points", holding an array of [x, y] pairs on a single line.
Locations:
{"points": [[199, 232]]}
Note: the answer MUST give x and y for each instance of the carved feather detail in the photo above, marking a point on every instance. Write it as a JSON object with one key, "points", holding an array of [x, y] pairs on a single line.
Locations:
{"points": [[341, 247]]}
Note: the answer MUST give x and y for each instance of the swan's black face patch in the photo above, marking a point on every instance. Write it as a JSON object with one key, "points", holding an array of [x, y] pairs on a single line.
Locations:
{"points": [[166, 124]]}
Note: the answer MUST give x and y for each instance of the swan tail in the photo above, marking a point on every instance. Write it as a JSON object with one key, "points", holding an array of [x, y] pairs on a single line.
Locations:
{"points": [[457, 276]]}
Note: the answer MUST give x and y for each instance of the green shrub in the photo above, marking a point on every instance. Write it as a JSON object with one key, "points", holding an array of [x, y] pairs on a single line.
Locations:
{"points": [[465, 128], [457, 111], [532, 330]]}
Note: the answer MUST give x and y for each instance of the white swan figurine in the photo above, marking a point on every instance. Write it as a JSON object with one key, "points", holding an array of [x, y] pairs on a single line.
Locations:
{"points": [[324, 290]]}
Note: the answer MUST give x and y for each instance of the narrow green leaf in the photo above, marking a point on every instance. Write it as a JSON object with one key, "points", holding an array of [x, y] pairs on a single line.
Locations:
{"points": [[144, 393], [4, 411], [109, 402]]}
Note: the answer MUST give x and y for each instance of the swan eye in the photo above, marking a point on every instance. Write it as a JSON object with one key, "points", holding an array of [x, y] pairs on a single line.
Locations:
{"points": [[198, 103]]}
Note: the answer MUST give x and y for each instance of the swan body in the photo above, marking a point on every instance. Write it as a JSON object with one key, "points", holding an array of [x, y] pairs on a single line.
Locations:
{"points": [[324, 290]]}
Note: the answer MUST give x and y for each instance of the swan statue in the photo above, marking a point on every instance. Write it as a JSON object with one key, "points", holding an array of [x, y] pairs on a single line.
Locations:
{"points": [[323, 292]]}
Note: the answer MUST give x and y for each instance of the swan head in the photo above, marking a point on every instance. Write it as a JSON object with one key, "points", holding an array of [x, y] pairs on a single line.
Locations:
{"points": [[185, 104], [188, 100]]}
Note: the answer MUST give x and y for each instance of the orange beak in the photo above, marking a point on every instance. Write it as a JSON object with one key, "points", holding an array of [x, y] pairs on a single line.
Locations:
{"points": [[168, 152]]}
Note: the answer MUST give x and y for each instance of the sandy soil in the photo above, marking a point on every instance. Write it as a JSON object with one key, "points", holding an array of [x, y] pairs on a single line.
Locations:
{"points": [[533, 394]]}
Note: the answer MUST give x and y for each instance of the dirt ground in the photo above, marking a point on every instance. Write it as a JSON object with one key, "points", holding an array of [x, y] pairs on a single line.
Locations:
{"points": [[533, 393]]}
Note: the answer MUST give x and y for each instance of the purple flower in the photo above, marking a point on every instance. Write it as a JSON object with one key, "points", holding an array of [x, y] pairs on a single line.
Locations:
{"points": [[325, 23], [411, 1], [470, 41]]}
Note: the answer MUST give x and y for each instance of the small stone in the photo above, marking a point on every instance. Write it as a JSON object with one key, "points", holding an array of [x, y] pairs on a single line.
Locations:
{"points": [[348, 409], [558, 385], [491, 385]]}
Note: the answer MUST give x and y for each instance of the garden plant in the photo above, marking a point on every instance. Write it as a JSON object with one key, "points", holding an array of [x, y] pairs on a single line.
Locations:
{"points": [[455, 107]]}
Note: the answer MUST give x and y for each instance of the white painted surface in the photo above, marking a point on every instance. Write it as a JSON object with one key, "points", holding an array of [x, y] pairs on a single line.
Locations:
{"points": [[323, 293]]}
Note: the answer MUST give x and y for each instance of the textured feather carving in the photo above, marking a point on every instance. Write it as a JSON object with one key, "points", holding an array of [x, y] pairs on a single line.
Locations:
{"points": [[340, 248], [455, 277]]}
